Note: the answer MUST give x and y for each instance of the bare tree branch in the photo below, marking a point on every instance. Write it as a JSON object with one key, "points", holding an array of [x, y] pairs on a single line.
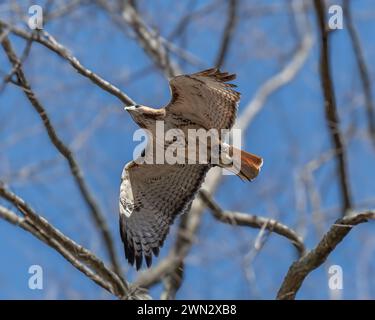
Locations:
{"points": [[332, 118], [81, 258], [316, 257], [45, 237], [363, 70], [249, 220], [76, 171], [49, 42]]}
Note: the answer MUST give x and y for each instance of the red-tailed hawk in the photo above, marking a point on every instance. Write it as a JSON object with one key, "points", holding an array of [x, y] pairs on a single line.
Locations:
{"points": [[152, 195]]}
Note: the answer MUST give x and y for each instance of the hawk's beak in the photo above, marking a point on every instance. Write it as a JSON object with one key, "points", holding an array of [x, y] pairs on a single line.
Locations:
{"points": [[130, 108]]}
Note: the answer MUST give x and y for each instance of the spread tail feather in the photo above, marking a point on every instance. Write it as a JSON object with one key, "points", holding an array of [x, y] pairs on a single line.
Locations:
{"points": [[249, 166]]}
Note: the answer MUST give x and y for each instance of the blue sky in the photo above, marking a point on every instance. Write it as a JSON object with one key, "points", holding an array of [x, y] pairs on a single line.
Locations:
{"points": [[288, 133]]}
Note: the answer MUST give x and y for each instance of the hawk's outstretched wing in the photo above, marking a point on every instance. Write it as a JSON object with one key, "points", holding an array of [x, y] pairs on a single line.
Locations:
{"points": [[151, 196], [205, 98]]}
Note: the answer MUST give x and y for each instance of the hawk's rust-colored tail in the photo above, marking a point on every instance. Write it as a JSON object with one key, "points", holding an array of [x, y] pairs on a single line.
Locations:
{"points": [[249, 166]]}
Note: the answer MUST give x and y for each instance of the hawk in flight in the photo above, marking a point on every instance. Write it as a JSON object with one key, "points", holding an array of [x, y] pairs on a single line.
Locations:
{"points": [[152, 195]]}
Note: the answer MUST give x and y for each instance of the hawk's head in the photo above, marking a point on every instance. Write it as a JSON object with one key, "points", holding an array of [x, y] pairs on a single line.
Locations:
{"points": [[145, 117]]}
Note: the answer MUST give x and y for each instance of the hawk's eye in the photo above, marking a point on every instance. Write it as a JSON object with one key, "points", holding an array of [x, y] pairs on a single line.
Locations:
{"points": [[137, 106]]}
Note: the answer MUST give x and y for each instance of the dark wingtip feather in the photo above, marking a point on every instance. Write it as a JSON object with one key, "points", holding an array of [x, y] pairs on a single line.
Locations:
{"points": [[129, 254], [227, 77], [218, 75], [137, 247], [128, 246], [155, 250], [148, 258], [138, 260], [209, 71]]}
